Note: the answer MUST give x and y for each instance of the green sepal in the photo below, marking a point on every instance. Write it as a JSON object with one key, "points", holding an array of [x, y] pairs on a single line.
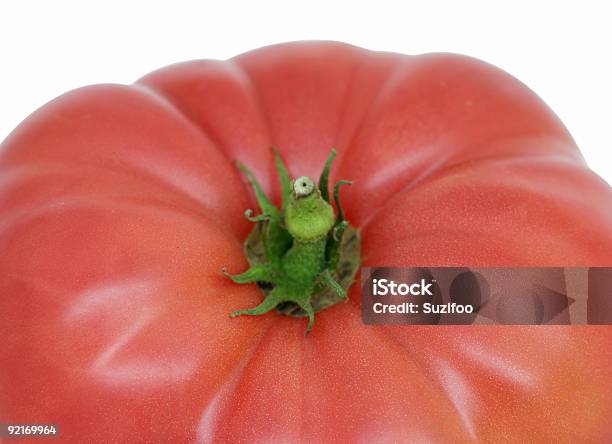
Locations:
{"points": [[334, 240], [266, 206], [332, 249], [258, 218], [283, 174], [337, 198], [275, 238], [324, 179], [256, 273]]}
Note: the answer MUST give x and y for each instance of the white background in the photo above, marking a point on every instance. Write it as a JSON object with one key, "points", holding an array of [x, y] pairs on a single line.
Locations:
{"points": [[562, 52]]}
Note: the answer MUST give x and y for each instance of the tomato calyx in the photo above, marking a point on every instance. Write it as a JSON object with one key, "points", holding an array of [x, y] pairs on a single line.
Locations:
{"points": [[302, 256]]}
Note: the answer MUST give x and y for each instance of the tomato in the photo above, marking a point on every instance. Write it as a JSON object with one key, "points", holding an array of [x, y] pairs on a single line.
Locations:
{"points": [[119, 206]]}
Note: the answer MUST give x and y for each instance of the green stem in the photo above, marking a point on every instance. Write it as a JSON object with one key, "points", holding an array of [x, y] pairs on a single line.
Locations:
{"points": [[299, 250]]}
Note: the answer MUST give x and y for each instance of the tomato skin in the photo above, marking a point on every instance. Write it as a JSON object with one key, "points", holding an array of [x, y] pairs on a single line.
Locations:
{"points": [[119, 206]]}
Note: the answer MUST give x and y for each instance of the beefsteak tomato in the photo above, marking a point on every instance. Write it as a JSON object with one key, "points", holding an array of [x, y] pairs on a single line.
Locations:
{"points": [[119, 205]]}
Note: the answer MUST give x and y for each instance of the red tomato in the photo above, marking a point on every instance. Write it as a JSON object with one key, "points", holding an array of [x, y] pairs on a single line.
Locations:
{"points": [[119, 206]]}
